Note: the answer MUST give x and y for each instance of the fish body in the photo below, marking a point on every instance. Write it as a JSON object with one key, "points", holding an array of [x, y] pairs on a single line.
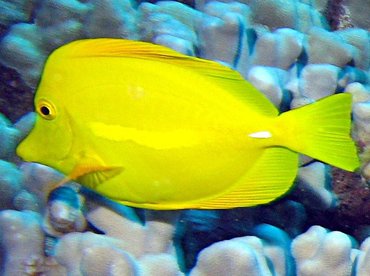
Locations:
{"points": [[152, 128]]}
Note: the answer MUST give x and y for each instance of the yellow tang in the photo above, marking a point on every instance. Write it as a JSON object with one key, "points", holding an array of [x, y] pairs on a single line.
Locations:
{"points": [[152, 128]]}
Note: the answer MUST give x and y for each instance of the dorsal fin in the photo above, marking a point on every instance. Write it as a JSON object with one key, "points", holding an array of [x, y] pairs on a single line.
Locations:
{"points": [[224, 76]]}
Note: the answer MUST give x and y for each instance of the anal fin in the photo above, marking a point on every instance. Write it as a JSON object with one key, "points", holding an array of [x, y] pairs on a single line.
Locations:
{"points": [[270, 178]]}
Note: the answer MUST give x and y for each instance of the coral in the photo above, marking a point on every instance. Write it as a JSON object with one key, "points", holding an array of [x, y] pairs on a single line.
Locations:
{"points": [[247, 254], [170, 24], [313, 87], [271, 81], [117, 16], [318, 252], [10, 183], [359, 39], [21, 242], [297, 15], [16, 11], [284, 48], [63, 212], [78, 251], [357, 11], [58, 22], [286, 43], [327, 47], [313, 186], [225, 23], [233, 257], [127, 245], [9, 137], [363, 256]]}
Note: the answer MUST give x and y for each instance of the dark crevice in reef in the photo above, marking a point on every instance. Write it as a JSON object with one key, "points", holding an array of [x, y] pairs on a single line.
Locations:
{"points": [[16, 98], [337, 15], [352, 215], [3, 30], [190, 3]]}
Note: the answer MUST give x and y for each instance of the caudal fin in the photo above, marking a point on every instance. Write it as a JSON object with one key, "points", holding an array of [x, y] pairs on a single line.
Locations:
{"points": [[322, 130]]}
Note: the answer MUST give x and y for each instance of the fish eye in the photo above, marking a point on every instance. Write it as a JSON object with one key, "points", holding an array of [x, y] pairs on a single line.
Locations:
{"points": [[46, 110]]}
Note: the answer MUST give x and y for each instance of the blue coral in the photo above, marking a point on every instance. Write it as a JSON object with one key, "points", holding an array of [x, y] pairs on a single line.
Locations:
{"points": [[285, 48]]}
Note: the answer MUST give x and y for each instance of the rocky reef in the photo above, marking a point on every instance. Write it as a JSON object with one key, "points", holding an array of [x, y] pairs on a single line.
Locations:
{"points": [[294, 51]]}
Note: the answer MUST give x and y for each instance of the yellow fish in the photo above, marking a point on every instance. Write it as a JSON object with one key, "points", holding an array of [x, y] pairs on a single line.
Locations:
{"points": [[153, 128]]}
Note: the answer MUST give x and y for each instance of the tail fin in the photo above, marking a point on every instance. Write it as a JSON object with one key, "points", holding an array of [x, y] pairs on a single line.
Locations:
{"points": [[322, 130]]}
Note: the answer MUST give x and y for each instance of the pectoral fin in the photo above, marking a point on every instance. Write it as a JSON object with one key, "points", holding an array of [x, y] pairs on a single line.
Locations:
{"points": [[91, 172], [94, 176]]}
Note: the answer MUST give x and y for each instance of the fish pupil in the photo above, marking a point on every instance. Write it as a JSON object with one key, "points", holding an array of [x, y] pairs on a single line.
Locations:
{"points": [[45, 110]]}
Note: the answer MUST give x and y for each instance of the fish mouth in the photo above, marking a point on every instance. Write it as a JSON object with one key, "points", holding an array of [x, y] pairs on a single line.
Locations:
{"points": [[48, 144]]}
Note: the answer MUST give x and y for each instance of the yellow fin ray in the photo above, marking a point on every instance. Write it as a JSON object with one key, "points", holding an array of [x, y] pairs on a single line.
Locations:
{"points": [[322, 130], [270, 178], [89, 176], [224, 76], [90, 171], [98, 176]]}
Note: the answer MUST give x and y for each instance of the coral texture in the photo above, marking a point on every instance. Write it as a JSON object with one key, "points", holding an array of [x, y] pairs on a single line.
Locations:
{"points": [[295, 52]]}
